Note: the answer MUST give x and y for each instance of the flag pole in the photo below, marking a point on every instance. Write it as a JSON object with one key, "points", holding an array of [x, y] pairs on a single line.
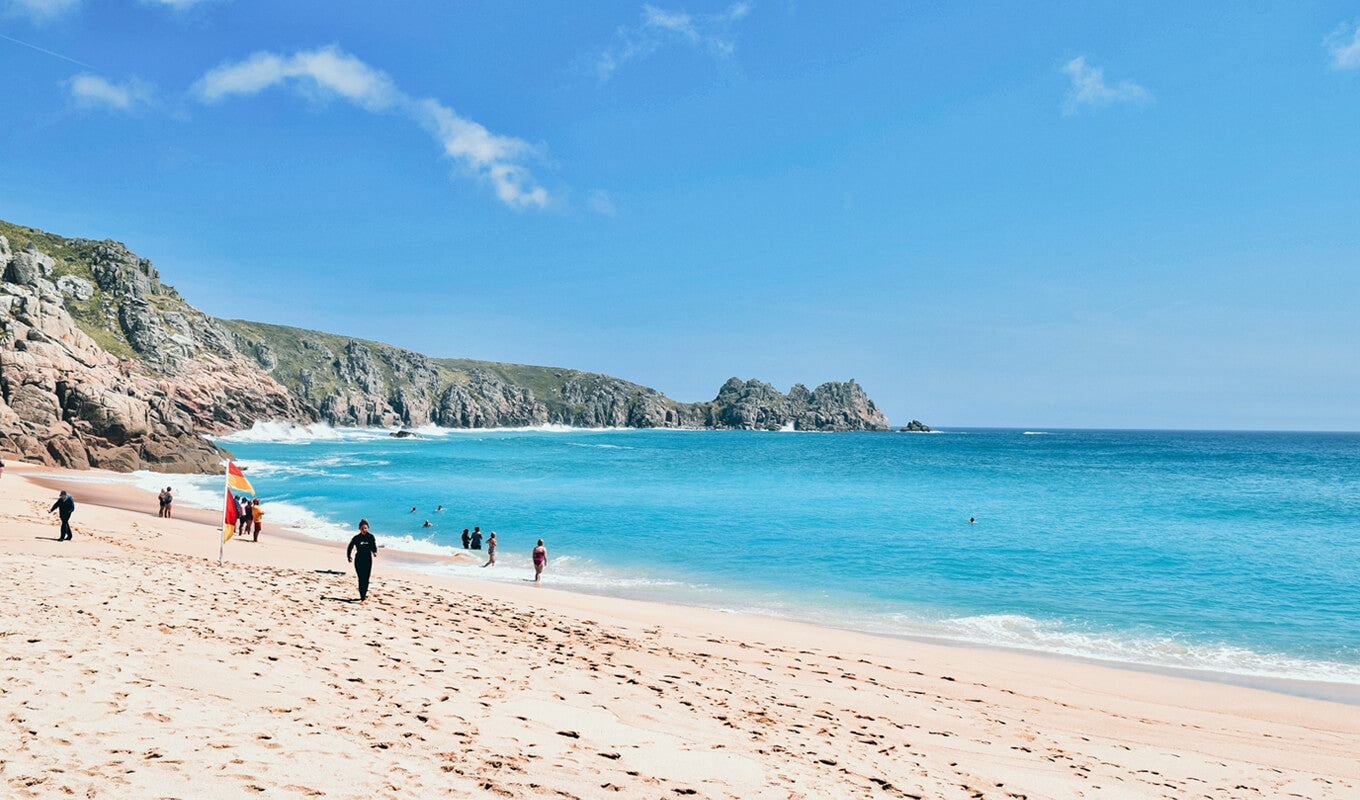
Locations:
{"points": [[222, 534]]}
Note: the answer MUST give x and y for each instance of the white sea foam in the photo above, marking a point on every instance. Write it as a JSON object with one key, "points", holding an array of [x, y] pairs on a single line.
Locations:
{"points": [[1025, 633], [207, 491], [281, 432], [1036, 433]]}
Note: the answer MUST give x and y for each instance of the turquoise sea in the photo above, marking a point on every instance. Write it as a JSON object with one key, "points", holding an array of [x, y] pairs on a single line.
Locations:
{"points": [[1234, 553]]}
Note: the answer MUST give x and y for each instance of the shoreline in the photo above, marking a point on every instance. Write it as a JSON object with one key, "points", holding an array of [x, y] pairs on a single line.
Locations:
{"points": [[449, 684], [128, 497]]}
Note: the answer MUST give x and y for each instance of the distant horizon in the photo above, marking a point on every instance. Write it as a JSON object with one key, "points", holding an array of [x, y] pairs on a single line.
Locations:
{"points": [[1143, 215]]}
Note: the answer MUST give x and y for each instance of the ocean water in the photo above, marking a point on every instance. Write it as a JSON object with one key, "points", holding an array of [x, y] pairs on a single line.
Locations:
{"points": [[1235, 553]]}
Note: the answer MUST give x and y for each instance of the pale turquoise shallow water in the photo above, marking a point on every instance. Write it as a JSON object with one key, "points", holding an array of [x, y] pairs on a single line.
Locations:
{"points": [[1231, 552]]}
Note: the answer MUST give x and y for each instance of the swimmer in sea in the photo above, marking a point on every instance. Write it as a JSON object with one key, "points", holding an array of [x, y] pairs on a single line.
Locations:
{"points": [[972, 521], [427, 524], [441, 508], [540, 560], [491, 550]]}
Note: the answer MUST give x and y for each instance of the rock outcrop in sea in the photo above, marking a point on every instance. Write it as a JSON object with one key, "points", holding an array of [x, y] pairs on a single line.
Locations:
{"points": [[103, 365]]}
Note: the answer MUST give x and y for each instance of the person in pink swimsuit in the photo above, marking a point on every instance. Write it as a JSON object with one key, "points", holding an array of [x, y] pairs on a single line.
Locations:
{"points": [[540, 560]]}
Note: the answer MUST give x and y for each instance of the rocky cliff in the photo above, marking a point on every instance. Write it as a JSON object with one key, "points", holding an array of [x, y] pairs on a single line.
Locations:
{"points": [[103, 365], [357, 382]]}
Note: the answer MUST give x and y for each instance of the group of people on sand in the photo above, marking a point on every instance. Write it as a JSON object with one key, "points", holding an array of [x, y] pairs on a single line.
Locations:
{"points": [[363, 548], [249, 517]]}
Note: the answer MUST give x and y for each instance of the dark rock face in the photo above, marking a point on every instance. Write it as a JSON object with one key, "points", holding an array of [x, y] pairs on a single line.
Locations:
{"points": [[755, 405], [488, 402], [915, 426]]}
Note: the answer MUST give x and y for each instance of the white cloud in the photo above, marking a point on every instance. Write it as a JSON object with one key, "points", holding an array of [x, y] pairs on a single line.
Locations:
{"points": [[329, 72], [493, 157], [1344, 43], [324, 71], [1090, 89], [41, 10], [90, 91], [659, 27]]}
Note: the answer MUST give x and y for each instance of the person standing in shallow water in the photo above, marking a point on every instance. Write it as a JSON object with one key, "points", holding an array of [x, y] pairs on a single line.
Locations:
{"points": [[491, 550], [467, 539], [361, 552], [476, 538], [540, 560]]}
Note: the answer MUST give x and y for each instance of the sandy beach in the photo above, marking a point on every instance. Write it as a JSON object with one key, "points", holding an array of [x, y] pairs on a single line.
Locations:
{"points": [[136, 666]]}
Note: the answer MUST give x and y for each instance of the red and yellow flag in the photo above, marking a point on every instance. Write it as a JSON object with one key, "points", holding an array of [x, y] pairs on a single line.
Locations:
{"points": [[229, 518], [236, 480]]}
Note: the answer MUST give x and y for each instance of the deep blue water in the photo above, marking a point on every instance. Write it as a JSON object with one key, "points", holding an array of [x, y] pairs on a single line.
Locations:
{"points": [[1234, 552]]}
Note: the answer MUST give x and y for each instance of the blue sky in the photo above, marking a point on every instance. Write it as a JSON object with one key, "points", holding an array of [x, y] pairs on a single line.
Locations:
{"points": [[1128, 215]]}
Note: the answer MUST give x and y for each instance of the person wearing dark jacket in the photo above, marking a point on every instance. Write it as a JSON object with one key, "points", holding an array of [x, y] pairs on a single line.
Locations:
{"points": [[361, 551], [64, 506]]}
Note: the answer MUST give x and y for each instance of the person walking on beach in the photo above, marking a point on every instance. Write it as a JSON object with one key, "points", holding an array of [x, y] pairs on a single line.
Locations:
{"points": [[361, 552], [64, 507], [256, 516], [490, 550], [540, 560], [476, 538], [467, 539]]}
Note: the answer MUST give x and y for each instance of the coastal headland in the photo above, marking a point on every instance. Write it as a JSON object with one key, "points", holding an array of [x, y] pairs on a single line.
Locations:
{"points": [[103, 365], [136, 666]]}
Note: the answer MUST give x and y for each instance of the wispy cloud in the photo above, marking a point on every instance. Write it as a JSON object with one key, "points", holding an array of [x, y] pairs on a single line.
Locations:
{"points": [[1344, 44], [1089, 88], [94, 91], [331, 72], [601, 203], [40, 11], [659, 27]]}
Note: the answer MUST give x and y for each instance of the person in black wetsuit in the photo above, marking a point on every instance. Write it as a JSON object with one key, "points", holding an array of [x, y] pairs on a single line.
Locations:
{"points": [[467, 539], [64, 506], [362, 548]]}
